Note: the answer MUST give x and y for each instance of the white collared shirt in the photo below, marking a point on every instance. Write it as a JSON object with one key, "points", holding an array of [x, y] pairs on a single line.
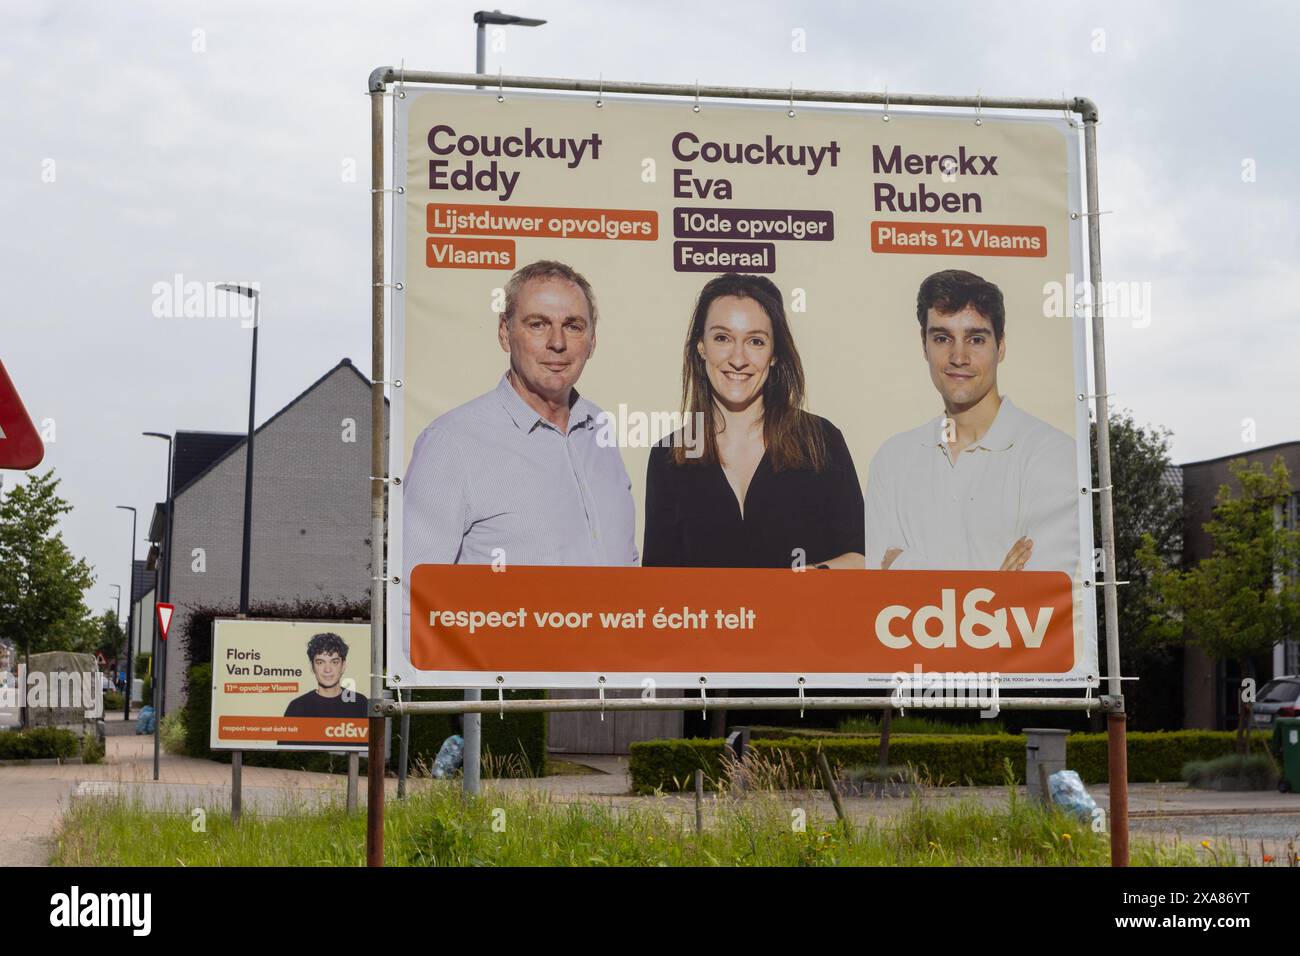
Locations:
{"points": [[1018, 480], [493, 478]]}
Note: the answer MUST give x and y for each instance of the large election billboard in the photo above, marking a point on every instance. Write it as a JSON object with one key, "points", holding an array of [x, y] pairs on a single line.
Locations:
{"points": [[735, 395], [289, 685]]}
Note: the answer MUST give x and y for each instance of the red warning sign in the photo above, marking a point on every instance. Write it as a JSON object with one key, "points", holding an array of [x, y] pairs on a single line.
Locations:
{"points": [[165, 612], [20, 445]]}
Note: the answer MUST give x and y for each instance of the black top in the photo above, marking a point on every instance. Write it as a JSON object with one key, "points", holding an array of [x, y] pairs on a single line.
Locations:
{"points": [[312, 704], [693, 520]]}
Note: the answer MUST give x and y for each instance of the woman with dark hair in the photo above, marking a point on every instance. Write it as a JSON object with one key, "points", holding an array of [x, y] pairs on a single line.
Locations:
{"points": [[758, 482]]}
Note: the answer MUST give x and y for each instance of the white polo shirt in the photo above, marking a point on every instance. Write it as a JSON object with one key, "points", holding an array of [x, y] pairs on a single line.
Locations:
{"points": [[1018, 480]]}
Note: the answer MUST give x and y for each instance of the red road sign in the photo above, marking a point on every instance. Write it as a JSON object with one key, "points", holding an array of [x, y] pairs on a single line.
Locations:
{"points": [[20, 446], [165, 618]]}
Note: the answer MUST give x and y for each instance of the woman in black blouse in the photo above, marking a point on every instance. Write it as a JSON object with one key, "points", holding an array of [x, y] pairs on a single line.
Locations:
{"points": [[761, 483]]}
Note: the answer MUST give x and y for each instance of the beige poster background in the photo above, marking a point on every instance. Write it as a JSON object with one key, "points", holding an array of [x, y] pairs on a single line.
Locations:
{"points": [[857, 331]]}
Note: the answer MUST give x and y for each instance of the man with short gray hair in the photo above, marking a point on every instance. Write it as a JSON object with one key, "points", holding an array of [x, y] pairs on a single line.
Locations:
{"points": [[517, 476]]}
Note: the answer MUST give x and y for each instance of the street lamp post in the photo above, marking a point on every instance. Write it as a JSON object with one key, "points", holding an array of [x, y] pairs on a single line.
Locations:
{"points": [[472, 724], [237, 757], [130, 616], [255, 295], [164, 587], [496, 18]]}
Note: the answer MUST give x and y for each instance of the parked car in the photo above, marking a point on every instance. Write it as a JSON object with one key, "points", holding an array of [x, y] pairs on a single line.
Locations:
{"points": [[1278, 698]]}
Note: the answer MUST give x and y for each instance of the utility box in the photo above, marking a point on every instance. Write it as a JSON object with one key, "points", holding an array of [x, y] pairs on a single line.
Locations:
{"points": [[1044, 755], [1286, 744], [137, 691]]}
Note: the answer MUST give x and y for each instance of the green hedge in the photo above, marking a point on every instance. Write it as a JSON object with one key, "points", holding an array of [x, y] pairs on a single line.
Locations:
{"points": [[39, 743], [974, 760], [522, 734]]}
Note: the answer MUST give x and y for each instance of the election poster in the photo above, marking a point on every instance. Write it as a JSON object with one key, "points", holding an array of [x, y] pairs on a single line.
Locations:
{"points": [[735, 396], [289, 685]]}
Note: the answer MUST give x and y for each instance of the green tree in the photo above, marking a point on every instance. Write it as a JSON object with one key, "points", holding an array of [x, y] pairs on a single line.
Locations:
{"points": [[1147, 502], [111, 638], [41, 584], [1245, 597]]}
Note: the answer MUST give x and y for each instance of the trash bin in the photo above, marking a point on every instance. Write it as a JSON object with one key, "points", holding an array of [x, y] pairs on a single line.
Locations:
{"points": [[1286, 744], [1044, 748]]}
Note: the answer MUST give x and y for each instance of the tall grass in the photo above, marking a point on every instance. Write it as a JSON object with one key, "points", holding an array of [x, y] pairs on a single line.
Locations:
{"points": [[437, 826]]}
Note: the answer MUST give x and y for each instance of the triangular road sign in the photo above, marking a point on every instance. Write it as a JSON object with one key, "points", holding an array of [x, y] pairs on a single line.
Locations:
{"points": [[165, 618], [20, 445]]}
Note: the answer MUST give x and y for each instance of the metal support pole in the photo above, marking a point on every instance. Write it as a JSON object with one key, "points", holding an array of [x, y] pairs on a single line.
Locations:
{"points": [[472, 724], [160, 658], [403, 755], [159, 669], [236, 785], [471, 781], [699, 801], [1115, 721], [354, 772], [393, 708], [248, 469], [378, 570], [130, 619]]}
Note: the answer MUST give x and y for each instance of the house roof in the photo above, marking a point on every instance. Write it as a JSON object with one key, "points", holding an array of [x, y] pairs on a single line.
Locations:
{"points": [[203, 445], [195, 451], [1242, 454], [142, 579]]}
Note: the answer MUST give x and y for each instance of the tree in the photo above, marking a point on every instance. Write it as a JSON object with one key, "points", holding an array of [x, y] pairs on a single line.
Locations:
{"points": [[1146, 503], [41, 583], [110, 638], [1245, 597]]}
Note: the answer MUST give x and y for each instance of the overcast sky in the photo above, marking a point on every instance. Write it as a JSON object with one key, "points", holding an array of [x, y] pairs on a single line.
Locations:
{"points": [[136, 149]]}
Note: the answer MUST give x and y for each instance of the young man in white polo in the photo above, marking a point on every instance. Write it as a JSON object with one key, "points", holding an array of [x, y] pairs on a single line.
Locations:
{"points": [[985, 485]]}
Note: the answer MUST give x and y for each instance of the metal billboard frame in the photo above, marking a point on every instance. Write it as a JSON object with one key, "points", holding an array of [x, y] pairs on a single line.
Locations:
{"points": [[1110, 703]]}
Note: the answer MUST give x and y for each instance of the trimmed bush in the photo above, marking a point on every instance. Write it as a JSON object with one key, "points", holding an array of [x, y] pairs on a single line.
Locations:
{"points": [[1231, 772], [967, 759], [39, 743]]}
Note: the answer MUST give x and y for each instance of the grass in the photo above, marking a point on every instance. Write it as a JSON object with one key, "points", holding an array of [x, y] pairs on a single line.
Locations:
{"points": [[437, 826]]}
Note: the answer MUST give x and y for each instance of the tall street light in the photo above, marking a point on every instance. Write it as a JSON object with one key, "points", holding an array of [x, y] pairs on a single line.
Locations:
{"points": [[496, 18], [130, 616], [255, 295], [119, 618], [472, 724], [164, 588]]}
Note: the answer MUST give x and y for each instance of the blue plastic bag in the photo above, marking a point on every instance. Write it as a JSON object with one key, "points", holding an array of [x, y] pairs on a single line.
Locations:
{"points": [[144, 724], [1068, 793], [450, 756]]}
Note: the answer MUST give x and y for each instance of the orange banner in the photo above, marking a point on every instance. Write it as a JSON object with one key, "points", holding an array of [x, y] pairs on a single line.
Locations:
{"points": [[551, 222], [959, 239], [347, 731], [470, 254], [739, 620], [261, 688]]}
